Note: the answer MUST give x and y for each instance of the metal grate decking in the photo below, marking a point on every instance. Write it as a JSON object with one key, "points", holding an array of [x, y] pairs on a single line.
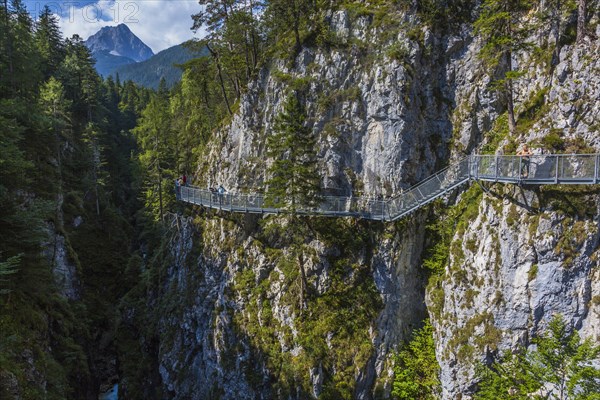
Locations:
{"points": [[569, 169]]}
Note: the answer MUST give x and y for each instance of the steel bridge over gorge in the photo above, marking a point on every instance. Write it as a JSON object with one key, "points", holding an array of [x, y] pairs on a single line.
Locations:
{"points": [[552, 169]]}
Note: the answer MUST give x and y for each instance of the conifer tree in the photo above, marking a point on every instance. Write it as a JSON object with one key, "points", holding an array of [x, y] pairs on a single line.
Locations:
{"points": [[504, 32], [559, 367], [154, 135], [283, 14], [49, 42], [416, 370], [294, 181], [22, 73], [81, 81]]}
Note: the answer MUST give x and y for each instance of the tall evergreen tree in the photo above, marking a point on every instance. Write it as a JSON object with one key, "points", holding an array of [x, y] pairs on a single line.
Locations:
{"points": [[49, 42], [158, 150], [416, 370], [504, 32], [20, 72], [290, 14], [81, 81], [294, 181]]}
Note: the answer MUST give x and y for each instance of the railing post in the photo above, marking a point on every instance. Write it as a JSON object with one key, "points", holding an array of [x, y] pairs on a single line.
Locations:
{"points": [[496, 169], [470, 165], [556, 158], [596, 169], [422, 197], [520, 168]]}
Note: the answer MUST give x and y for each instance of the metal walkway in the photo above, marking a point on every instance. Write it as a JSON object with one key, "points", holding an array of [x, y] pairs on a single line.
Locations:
{"points": [[569, 169]]}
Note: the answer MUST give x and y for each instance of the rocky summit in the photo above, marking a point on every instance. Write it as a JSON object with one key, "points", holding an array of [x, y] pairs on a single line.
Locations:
{"points": [[119, 41]]}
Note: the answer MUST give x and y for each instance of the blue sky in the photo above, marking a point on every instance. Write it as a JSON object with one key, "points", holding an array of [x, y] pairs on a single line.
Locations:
{"points": [[159, 23]]}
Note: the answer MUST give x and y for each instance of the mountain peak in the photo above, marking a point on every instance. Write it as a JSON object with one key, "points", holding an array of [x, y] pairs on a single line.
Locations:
{"points": [[119, 40]]}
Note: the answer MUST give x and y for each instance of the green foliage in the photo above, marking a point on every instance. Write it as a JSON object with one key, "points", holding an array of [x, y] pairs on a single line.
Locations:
{"points": [[64, 153], [496, 135], [7, 268], [331, 332], [294, 182], [157, 142], [533, 110], [501, 26], [558, 368], [504, 30], [442, 230], [416, 370]]}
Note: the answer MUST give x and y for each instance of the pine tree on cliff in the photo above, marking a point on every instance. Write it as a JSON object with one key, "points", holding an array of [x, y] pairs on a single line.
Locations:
{"points": [[559, 367], [49, 42], [283, 14], [504, 32], [233, 41], [155, 137], [416, 373], [294, 181]]}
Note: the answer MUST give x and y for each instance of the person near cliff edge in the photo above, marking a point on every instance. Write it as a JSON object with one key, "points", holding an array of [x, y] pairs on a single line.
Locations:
{"points": [[184, 180], [178, 188], [221, 191], [525, 152]]}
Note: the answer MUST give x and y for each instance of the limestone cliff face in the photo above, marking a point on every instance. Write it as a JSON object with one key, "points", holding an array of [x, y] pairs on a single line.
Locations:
{"points": [[519, 262], [381, 117], [384, 119], [383, 123], [528, 254]]}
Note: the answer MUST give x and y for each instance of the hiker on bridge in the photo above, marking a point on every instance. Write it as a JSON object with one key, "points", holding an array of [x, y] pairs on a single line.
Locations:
{"points": [[178, 188], [525, 152], [221, 191]]}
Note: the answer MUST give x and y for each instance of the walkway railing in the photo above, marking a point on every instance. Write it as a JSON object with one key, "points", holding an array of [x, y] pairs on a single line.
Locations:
{"points": [[531, 170]]}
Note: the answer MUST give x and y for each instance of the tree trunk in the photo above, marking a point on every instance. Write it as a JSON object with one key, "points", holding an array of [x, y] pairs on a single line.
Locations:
{"points": [[303, 282], [296, 12], [159, 173], [510, 105], [9, 45], [581, 14], [512, 125], [215, 56]]}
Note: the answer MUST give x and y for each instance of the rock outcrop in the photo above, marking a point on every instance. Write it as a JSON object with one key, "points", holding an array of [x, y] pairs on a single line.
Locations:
{"points": [[384, 120]]}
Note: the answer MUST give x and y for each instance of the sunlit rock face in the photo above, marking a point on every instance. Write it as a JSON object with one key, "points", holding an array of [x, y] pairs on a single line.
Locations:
{"points": [[383, 123]]}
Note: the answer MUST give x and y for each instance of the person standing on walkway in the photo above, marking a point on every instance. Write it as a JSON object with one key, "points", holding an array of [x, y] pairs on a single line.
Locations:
{"points": [[184, 180], [178, 189], [221, 191], [525, 152]]}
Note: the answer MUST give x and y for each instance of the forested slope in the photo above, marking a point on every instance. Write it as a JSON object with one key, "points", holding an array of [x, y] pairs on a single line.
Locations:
{"points": [[69, 193]]}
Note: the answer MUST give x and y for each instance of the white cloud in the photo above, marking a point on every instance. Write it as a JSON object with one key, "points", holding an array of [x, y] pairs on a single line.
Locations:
{"points": [[158, 23]]}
